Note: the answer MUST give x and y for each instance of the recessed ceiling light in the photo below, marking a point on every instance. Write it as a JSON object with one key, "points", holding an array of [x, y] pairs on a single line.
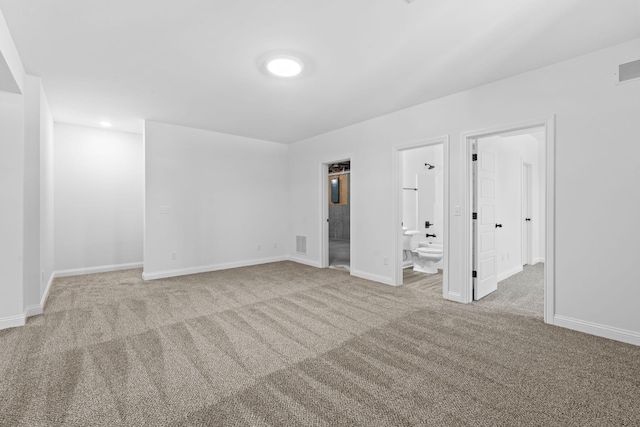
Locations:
{"points": [[105, 124], [285, 66]]}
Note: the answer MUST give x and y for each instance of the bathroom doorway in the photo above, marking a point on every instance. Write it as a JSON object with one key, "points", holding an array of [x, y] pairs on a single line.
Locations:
{"points": [[510, 228], [421, 200], [338, 218]]}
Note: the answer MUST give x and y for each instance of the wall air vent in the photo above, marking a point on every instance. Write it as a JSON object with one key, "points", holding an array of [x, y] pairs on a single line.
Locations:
{"points": [[629, 71], [301, 244]]}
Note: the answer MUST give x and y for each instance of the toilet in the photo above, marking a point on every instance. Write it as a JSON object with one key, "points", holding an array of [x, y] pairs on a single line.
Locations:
{"points": [[427, 257], [408, 246]]}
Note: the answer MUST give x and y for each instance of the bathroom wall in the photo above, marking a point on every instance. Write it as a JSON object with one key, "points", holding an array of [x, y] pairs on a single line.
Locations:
{"points": [[340, 214], [596, 123], [212, 201], [98, 199], [426, 204]]}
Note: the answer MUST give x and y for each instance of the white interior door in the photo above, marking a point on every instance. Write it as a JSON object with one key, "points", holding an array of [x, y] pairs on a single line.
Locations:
{"points": [[526, 213], [485, 265]]}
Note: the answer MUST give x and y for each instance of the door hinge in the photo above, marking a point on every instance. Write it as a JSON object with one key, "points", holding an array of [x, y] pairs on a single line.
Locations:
{"points": [[474, 274], [474, 157], [475, 215]]}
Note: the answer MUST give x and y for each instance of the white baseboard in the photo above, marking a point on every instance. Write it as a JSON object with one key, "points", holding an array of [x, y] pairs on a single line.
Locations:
{"points": [[304, 261], [629, 337], [33, 310], [537, 260], [372, 277], [454, 296], [12, 321], [207, 268], [99, 269], [506, 274], [36, 309], [45, 295]]}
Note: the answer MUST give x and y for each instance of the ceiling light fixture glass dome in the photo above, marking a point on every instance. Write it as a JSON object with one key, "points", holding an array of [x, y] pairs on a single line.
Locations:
{"points": [[285, 66]]}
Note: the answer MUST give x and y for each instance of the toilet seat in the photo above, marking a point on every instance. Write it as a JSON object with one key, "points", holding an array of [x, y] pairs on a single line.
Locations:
{"points": [[429, 251]]}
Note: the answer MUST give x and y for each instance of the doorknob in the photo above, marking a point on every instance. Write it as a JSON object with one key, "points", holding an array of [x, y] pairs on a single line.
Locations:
{"points": [[528, 219], [498, 225]]}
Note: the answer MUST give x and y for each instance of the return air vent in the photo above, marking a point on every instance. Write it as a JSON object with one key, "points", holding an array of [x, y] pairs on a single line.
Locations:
{"points": [[301, 244], [629, 71]]}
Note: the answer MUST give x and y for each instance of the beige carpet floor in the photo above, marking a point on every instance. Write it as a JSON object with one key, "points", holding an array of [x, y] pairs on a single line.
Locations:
{"points": [[284, 344]]}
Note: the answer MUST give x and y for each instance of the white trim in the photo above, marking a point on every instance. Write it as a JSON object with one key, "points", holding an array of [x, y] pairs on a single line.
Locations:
{"points": [[33, 310], [304, 261], [506, 274], [396, 221], [207, 268], [373, 277], [45, 295], [13, 321], [550, 223], [537, 260], [37, 309], [99, 269], [630, 337], [454, 296], [549, 268]]}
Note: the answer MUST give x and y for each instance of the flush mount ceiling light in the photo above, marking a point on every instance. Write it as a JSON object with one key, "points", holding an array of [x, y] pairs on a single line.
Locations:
{"points": [[284, 66], [105, 124]]}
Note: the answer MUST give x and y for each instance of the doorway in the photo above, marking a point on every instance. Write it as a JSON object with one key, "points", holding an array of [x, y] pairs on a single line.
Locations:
{"points": [[338, 217], [510, 193], [421, 198]]}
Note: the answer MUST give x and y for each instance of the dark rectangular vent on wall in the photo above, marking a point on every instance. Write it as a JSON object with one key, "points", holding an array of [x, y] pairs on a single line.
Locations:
{"points": [[301, 244], [629, 71]]}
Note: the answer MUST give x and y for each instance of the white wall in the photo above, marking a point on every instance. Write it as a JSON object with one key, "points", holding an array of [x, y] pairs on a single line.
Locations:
{"points": [[46, 196], [38, 195], [533, 150], [31, 266], [11, 69], [596, 125], [11, 215], [226, 195], [413, 168], [98, 198]]}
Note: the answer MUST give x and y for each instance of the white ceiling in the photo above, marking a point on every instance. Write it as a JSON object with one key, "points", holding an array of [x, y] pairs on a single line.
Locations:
{"points": [[196, 62]]}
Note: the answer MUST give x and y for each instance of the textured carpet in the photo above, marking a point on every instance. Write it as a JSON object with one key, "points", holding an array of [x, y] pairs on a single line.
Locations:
{"points": [[285, 344], [522, 293]]}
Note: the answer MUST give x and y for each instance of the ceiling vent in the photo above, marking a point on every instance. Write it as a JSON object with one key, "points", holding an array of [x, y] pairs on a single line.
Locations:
{"points": [[629, 71]]}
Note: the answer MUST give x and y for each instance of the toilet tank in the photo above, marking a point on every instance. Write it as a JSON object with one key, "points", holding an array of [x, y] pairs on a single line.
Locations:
{"points": [[407, 239]]}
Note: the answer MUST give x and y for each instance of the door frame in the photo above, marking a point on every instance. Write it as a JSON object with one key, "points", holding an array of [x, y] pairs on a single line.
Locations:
{"points": [[527, 203], [324, 211], [549, 267], [396, 180]]}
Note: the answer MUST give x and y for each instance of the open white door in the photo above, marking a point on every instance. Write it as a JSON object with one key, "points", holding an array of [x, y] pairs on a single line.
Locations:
{"points": [[485, 263]]}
